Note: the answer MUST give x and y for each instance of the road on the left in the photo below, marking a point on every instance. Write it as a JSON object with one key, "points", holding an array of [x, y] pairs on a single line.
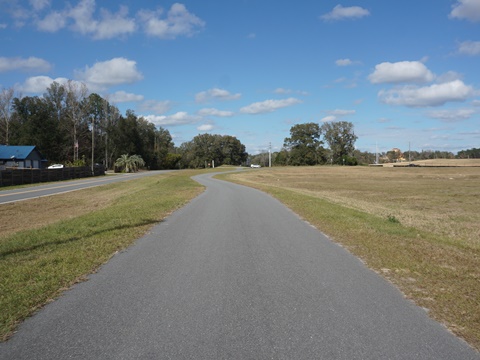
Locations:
{"points": [[54, 188]]}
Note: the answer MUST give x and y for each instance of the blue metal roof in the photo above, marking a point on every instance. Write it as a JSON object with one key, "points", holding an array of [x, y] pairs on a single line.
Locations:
{"points": [[19, 152]]}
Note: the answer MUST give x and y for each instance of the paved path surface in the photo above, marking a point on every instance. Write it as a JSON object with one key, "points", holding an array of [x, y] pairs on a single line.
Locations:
{"points": [[233, 275]]}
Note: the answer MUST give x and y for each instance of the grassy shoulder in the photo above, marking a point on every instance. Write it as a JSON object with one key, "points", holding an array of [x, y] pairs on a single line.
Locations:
{"points": [[77, 233], [436, 270]]}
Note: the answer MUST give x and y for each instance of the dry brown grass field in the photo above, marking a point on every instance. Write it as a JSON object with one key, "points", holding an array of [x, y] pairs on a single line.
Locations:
{"points": [[417, 226], [441, 163], [445, 201]]}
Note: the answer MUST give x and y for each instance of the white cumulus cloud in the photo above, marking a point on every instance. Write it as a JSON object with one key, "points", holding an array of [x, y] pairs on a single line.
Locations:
{"points": [[401, 72], [434, 95], [341, 112], [337, 113], [214, 112], [340, 12], [52, 22], [82, 19], [39, 84], [329, 118], [452, 115], [268, 106], [39, 4], [466, 9], [122, 96], [179, 21], [29, 64], [282, 91], [215, 94], [86, 19], [469, 48], [108, 26], [449, 76], [205, 127], [179, 118], [108, 73], [82, 15], [344, 62], [112, 25], [157, 107]]}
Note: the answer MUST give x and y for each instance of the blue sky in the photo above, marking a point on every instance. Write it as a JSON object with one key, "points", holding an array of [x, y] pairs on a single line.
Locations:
{"points": [[403, 72]]}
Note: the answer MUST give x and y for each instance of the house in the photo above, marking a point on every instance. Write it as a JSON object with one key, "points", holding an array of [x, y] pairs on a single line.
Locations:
{"points": [[21, 157]]}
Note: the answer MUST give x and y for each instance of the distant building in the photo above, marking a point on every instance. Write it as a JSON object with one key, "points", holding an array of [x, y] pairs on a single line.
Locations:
{"points": [[21, 157], [398, 155]]}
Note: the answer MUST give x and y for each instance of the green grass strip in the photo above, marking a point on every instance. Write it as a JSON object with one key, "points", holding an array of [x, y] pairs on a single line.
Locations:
{"points": [[36, 265]]}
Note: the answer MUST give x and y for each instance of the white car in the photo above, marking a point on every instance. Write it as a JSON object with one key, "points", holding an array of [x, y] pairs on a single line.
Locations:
{"points": [[255, 166], [56, 166]]}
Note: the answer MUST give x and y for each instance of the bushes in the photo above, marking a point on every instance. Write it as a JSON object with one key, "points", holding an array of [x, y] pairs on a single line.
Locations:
{"points": [[348, 160]]}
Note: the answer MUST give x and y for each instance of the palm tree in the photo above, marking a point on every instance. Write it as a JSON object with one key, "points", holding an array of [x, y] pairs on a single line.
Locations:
{"points": [[137, 162], [123, 162], [129, 163]]}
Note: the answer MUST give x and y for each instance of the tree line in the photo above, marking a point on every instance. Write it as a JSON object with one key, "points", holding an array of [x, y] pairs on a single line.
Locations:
{"points": [[72, 126], [334, 143], [315, 144], [469, 154]]}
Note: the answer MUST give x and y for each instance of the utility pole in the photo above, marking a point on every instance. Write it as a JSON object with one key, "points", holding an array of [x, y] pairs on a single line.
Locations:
{"points": [[93, 142], [107, 121], [270, 154]]}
